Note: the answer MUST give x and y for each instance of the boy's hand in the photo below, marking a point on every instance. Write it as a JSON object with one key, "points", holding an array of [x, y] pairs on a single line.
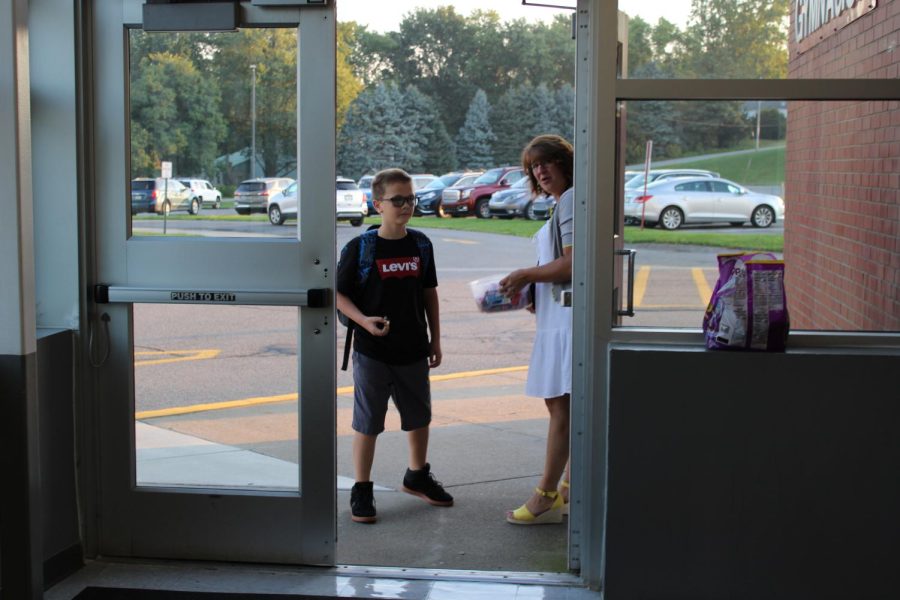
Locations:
{"points": [[434, 355], [377, 326]]}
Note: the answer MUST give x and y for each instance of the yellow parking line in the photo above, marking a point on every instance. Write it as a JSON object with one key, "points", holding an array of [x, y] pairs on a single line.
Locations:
{"points": [[702, 286], [195, 408], [454, 241], [640, 286], [483, 372], [181, 355]]}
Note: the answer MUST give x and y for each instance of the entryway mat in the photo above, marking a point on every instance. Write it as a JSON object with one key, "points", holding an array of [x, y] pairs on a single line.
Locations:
{"points": [[106, 593]]}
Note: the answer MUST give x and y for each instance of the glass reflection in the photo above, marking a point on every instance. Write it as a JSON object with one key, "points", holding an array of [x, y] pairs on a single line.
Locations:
{"points": [[213, 132], [216, 396], [811, 182]]}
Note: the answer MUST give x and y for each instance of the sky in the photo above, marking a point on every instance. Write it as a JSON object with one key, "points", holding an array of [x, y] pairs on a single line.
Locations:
{"points": [[386, 16]]}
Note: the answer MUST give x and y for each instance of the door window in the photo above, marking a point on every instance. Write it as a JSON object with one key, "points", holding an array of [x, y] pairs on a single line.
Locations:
{"points": [[213, 105]]}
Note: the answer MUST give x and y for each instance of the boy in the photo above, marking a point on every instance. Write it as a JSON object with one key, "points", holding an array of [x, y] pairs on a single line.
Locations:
{"points": [[393, 307]]}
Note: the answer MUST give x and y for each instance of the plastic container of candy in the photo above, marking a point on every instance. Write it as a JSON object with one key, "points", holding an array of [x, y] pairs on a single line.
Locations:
{"points": [[489, 298]]}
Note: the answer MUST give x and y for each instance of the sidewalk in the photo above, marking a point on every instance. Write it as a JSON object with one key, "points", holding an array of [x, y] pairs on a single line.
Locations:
{"points": [[487, 447]]}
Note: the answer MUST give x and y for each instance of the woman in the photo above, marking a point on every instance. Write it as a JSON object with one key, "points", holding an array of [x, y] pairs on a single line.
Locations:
{"points": [[547, 160]]}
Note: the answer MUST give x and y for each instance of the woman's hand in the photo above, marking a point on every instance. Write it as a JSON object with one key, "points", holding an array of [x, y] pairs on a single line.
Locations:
{"points": [[377, 326], [514, 282]]}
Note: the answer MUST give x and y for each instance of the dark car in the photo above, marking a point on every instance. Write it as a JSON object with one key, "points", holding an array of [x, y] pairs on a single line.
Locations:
{"points": [[428, 198], [516, 201], [460, 201], [162, 196]]}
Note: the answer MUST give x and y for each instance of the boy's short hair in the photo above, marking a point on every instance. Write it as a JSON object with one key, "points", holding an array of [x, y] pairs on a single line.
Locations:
{"points": [[386, 177]]}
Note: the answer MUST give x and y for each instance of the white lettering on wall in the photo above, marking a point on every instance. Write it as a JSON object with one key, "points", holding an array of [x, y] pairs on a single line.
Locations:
{"points": [[812, 15]]}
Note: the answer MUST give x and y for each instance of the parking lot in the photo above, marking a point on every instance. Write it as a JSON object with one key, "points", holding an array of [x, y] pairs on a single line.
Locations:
{"points": [[227, 378]]}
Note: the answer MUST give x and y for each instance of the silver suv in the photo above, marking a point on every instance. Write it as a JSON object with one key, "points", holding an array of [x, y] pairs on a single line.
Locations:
{"points": [[204, 191], [252, 195], [161, 196]]}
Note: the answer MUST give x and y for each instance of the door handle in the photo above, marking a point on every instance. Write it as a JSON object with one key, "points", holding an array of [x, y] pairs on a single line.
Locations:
{"points": [[311, 298], [629, 311]]}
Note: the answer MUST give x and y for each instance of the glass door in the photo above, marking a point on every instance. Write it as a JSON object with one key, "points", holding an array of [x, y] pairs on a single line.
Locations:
{"points": [[212, 325]]}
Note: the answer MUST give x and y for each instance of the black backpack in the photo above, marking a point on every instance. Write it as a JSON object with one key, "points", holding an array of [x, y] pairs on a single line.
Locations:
{"points": [[364, 264]]}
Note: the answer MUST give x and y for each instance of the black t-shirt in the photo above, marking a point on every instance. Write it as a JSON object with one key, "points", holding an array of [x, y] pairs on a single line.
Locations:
{"points": [[393, 289]]}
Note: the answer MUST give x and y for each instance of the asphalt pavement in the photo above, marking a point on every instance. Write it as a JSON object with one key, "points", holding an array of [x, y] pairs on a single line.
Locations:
{"points": [[487, 438], [487, 447]]}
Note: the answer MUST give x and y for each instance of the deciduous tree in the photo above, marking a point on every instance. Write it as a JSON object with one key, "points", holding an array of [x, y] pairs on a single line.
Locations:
{"points": [[174, 116]]}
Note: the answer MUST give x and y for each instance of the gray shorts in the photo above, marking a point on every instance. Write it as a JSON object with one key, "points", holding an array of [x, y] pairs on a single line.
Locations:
{"points": [[374, 382]]}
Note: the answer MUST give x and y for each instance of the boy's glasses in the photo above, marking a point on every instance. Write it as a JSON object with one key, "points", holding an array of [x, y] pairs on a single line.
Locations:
{"points": [[399, 201]]}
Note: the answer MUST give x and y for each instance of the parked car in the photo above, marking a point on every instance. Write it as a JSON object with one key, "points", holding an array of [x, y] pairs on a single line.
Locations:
{"points": [[629, 175], [350, 202], [674, 202], [636, 183], [543, 206], [428, 198], [252, 195], [365, 184], [420, 180], [161, 196], [634, 187], [283, 205], [515, 201], [460, 201], [464, 180], [205, 191]]}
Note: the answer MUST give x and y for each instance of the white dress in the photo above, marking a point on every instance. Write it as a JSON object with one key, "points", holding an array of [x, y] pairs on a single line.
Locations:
{"points": [[550, 369]]}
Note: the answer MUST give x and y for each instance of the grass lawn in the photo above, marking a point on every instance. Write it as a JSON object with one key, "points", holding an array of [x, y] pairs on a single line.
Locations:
{"points": [[765, 242], [765, 167], [633, 235], [203, 216], [519, 227]]}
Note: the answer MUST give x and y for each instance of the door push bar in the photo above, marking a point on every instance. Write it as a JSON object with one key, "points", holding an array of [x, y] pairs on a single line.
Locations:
{"points": [[311, 298], [628, 312]]}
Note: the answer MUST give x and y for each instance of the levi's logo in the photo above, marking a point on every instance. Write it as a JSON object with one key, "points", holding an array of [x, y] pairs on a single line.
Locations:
{"points": [[398, 267]]}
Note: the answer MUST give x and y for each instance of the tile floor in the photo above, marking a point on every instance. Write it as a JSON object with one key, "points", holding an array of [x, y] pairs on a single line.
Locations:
{"points": [[338, 582]]}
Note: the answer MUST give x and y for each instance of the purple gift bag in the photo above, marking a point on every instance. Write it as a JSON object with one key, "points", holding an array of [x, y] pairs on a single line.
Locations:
{"points": [[748, 307]]}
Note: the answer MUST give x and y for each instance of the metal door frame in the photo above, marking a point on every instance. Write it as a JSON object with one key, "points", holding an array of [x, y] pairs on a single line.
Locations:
{"points": [[123, 520]]}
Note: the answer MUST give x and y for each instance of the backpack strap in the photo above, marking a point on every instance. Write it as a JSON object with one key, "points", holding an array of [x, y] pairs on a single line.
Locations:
{"points": [[365, 260], [366, 256]]}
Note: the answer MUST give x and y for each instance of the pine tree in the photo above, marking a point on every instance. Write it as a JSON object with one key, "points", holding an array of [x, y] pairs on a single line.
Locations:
{"points": [[419, 117], [564, 112], [544, 109], [512, 121], [435, 151], [374, 134], [475, 137]]}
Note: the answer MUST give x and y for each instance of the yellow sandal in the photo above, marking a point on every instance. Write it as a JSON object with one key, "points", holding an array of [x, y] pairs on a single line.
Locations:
{"points": [[523, 516], [565, 507]]}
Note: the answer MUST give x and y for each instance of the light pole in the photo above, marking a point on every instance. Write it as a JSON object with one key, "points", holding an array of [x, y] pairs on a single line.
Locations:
{"points": [[758, 111], [253, 121]]}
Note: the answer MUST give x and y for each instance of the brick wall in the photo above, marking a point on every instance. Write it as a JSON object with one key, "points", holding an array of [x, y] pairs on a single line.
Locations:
{"points": [[842, 184]]}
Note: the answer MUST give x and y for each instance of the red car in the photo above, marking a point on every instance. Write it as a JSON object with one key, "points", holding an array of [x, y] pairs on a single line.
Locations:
{"points": [[474, 198]]}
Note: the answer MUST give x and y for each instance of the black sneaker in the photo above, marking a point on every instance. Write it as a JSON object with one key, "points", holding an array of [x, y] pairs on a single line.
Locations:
{"points": [[422, 483], [362, 502]]}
